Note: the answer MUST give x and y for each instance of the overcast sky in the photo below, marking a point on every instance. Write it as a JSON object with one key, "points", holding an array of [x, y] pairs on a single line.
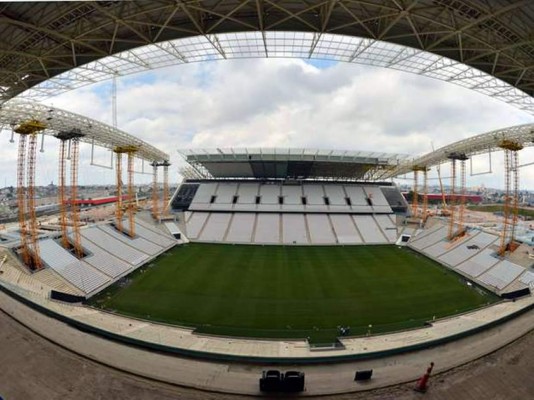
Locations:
{"points": [[283, 103]]}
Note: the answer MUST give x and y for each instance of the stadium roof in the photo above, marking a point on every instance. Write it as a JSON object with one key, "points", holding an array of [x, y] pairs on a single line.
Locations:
{"points": [[57, 46], [56, 120], [479, 144], [276, 163]]}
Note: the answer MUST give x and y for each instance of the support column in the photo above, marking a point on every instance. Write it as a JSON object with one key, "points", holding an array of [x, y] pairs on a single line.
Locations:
{"points": [[72, 138], [131, 194], [155, 197], [118, 204], [453, 201], [511, 201], [415, 201], [164, 208], [425, 194], [130, 151], [21, 199], [463, 193], [515, 193], [32, 153], [26, 192], [415, 198], [75, 209], [62, 198]]}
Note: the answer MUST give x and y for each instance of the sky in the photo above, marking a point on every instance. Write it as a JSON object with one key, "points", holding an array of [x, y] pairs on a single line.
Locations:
{"points": [[282, 103]]}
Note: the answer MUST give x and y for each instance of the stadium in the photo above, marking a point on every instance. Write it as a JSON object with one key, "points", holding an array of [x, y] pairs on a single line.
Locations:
{"points": [[307, 261]]}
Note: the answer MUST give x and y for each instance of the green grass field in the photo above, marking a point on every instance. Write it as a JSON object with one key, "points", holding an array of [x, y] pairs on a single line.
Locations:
{"points": [[276, 291]]}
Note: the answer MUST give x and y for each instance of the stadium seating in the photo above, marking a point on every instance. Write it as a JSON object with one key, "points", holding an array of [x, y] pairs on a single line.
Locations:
{"points": [[269, 194], [104, 261], [274, 196], [294, 229], [290, 228], [153, 236], [246, 197], [241, 229], [292, 195], [336, 198], [320, 229], [290, 213], [378, 200], [345, 229], [358, 198], [150, 232], [267, 229], [369, 230], [314, 197], [114, 246], [527, 278], [109, 254], [138, 243], [78, 273], [473, 256], [195, 223], [427, 239], [478, 264], [467, 248], [388, 226], [215, 228], [224, 196], [501, 275], [205, 192]]}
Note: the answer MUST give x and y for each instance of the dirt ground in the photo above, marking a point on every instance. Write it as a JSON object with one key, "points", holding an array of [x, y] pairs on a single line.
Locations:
{"points": [[31, 367]]}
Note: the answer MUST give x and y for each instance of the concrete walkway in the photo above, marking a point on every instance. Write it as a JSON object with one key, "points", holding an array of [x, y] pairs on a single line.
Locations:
{"points": [[243, 378], [35, 368]]}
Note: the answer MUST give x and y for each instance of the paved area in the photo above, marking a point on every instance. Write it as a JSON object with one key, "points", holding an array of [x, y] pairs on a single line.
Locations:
{"points": [[34, 363], [34, 368], [242, 378]]}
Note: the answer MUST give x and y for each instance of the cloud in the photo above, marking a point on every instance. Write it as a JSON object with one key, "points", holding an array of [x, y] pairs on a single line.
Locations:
{"points": [[285, 103]]}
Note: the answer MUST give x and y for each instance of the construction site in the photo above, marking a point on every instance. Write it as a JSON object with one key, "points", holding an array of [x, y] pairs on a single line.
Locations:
{"points": [[242, 270]]}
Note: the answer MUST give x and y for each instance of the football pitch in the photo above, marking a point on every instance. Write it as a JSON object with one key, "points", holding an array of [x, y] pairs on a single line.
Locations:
{"points": [[291, 291]]}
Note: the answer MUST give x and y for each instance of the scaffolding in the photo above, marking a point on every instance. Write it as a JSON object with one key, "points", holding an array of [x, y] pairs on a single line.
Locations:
{"points": [[70, 137], [425, 194], [415, 201], [511, 198], [164, 208], [118, 203], [62, 197], [131, 193], [26, 192], [155, 197], [457, 218], [75, 210], [130, 150], [21, 200]]}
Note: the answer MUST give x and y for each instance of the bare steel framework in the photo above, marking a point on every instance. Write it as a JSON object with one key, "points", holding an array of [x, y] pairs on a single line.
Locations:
{"points": [[30, 119], [94, 132], [52, 47], [511, 140], [478, 144]]}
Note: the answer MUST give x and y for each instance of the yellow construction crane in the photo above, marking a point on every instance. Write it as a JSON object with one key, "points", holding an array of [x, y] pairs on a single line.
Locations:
{"points": [[511, 200], [415, 201], [457, 218], [130, 150], [26, 192], [70, 137]]}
